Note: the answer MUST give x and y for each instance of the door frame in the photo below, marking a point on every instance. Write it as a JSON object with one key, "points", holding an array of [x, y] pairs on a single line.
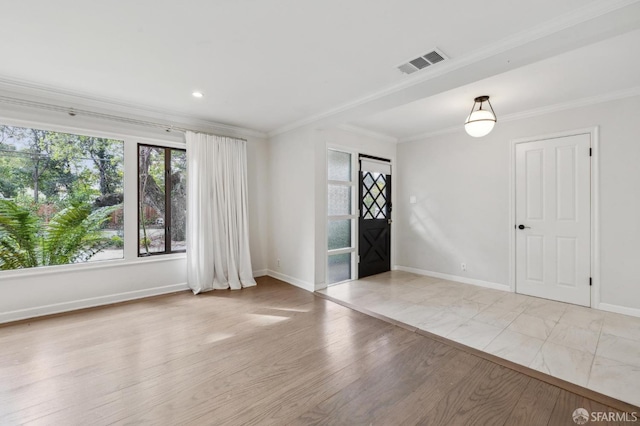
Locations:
{"points": [[355, 151], [594, 133]]}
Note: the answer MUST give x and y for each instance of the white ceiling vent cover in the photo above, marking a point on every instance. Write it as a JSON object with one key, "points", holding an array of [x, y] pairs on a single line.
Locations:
{"points": [[422, 62]]}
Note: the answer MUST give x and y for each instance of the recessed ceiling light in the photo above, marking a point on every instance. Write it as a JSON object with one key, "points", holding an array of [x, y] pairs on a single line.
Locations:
{"points": [[197, 94]]}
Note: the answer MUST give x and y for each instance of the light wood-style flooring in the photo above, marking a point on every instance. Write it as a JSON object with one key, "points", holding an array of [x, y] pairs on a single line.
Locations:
{"points": [[271, 354]]}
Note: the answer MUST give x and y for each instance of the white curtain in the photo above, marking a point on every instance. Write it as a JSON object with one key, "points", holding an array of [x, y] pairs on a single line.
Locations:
{"points": [[217, 218]]}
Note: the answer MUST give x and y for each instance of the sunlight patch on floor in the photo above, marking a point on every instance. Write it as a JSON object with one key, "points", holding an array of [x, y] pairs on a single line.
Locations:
{"points": [[216, 337], [262, 319]]}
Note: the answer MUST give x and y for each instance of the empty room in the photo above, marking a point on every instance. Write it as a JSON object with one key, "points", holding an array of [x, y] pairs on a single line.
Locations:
{"points": [[294, 213]]}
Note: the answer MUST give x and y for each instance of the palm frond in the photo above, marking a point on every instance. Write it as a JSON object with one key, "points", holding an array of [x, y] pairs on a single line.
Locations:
{"points": [[19, 229], [74, 234], [13, 258]]}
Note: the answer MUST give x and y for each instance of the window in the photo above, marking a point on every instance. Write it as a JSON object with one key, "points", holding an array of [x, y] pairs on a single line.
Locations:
{"points": [[61, 198], [374, 195], [341, 220], [162, 200]]}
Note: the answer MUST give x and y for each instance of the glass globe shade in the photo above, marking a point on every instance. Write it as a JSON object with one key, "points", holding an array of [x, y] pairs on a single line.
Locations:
{"points": [[480, 123]]}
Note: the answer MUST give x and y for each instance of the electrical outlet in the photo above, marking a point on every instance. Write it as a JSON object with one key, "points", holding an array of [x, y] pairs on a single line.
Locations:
{"points": [[278, 262], [463, 266]]}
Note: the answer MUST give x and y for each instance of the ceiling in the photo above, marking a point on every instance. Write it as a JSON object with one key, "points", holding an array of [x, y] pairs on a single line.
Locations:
{"points": [[274, 65], [596, 71]]}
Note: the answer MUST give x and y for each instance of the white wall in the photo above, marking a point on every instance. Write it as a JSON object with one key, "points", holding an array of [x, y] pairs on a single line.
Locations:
{"points": [[461, 215], [291, 207], [40, 291], [462, 190]]}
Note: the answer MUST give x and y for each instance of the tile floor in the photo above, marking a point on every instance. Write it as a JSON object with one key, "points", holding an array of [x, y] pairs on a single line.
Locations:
{"points": [[592, 348]]}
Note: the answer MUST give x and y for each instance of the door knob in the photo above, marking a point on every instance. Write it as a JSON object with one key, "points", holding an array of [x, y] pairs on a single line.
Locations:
{"points": [[522, 227]]}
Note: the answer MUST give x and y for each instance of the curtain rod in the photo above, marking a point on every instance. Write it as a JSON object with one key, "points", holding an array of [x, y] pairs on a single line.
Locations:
{"points": [[74, 111]]}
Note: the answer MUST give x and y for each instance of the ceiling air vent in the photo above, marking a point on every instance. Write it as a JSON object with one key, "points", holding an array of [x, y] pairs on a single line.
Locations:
{"points": [[422, 62]]}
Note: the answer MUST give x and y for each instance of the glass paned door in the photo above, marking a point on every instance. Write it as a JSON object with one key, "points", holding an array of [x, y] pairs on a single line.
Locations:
{"points": [[339, 200], [339, 267], [339, 234], [340, 216], [339, 166]]}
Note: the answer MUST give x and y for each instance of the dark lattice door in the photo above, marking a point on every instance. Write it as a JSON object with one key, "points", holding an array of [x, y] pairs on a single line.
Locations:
{"points": [[375, 224]]}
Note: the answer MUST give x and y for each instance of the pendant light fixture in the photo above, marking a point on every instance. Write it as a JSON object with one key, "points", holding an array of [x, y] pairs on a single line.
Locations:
{"points": [[480, 121]]}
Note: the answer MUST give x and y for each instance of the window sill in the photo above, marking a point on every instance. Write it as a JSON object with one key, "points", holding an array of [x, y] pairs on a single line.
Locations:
{"points": [[79, 267]]}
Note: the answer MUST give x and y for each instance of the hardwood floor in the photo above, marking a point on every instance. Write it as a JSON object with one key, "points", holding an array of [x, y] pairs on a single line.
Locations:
{"points": [[271, 354]]}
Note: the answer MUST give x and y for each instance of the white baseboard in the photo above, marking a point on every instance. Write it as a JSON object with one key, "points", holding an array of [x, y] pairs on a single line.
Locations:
{"points": [[321, 286], [291, 280], [57, 308], [465, 280], [618, 309], [260, 273]]}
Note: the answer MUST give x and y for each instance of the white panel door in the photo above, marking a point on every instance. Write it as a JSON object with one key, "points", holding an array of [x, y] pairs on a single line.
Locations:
{"points": [[553, 219]]}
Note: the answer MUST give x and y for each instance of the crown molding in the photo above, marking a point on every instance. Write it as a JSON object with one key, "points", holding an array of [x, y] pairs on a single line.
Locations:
{"points": [[368, 133], [577, 103], [560, 23], [563, 106], [73, 99]]}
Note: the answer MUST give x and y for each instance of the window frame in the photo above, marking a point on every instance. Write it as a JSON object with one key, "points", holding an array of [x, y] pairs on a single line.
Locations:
{"points": [[167, 200], [101, 129], [87, 130]]}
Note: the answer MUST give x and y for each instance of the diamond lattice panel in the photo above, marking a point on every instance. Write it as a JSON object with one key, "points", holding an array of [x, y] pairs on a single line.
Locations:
{"points": [[374, 200]]}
